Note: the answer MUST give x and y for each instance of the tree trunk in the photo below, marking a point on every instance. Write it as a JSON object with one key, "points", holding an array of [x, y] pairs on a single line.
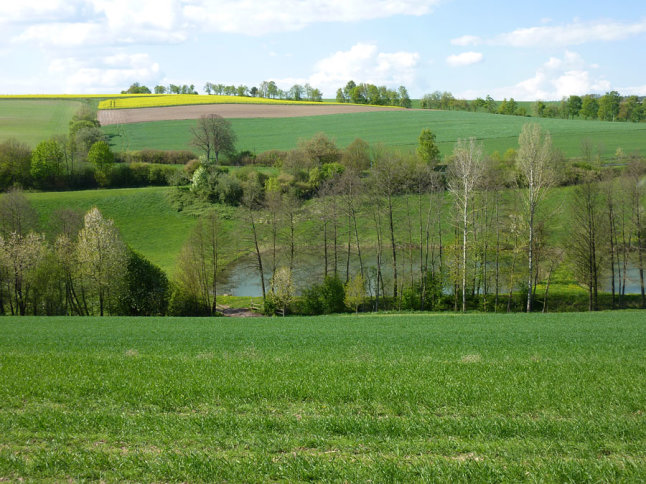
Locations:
{"points": [[394, 247], [258, 256]]}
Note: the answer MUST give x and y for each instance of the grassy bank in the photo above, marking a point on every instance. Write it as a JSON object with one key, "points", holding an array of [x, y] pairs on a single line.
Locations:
{"points": [[483, 398]]}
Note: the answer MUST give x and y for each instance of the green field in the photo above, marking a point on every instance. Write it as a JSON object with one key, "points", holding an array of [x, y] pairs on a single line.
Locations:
{"points": [[32, 121], [399, 128], [388, 398], [144, 216]]}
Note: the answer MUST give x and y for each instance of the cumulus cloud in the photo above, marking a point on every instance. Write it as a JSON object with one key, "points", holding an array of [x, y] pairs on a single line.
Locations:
{"points": [[466, 40], [575, 33], [105, 74], [464, 59], [257, 17], [364, 63], [121, 22], [557, 78]]}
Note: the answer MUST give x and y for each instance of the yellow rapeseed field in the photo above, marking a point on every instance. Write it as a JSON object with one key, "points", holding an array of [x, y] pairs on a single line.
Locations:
{"points": [[161, 100], [61, 96]]}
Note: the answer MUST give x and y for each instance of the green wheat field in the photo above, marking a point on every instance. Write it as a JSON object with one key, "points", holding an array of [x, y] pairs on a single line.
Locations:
{"points": [[381, 398]]}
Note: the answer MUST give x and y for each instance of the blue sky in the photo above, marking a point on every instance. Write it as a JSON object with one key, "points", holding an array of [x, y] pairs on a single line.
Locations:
{"points": [[527, 50]]}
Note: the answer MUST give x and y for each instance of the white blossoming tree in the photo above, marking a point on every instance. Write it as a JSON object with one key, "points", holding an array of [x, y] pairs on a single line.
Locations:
{"points": [[102, 257], [19, 258]]}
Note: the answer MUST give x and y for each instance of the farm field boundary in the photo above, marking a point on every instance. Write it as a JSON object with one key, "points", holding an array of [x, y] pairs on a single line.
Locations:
{"points": [[138, 115]]}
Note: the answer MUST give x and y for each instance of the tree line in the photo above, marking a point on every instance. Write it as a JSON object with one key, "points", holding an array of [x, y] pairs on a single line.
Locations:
{"points": [[412, 231], [365, 93], [608, 107]]}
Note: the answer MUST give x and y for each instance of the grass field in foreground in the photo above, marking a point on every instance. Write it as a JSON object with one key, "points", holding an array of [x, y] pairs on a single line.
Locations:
{"points": [[475, 398], [393, 128], [35, 120]]}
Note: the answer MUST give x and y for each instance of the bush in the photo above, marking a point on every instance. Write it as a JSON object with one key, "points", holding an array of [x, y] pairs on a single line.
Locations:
{"points": [[333, 295], [158, 157], [183, 304], [146, 292], [311, 302], [241, 158], [431, 294], [271, 158]]}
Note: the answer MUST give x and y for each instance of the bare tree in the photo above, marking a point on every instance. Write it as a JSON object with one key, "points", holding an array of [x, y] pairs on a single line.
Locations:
{"points": [[252, 201], [465, 171], [387, 177], [636, 187], [533, 161], [16, 214], [585, 237], [213, 135]]}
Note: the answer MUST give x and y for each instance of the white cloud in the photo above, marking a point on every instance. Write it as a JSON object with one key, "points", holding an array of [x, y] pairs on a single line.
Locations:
{"points": [[556, 78], [464, 59], [33, 11], [466, 40], [364, 63], [576, 33], [635, 90], [119, 22], [257, 17], [103, 75]]}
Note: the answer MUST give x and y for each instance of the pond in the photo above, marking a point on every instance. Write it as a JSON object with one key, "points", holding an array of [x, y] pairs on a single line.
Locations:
{"points": [[241, 278]]}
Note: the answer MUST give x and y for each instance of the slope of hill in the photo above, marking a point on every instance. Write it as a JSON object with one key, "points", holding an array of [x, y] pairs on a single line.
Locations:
{"points": [[398, 128], [31, 121], [146, 219]]}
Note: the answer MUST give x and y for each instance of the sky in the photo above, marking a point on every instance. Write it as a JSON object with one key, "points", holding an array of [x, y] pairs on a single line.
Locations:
{"points": [[527, 50]]}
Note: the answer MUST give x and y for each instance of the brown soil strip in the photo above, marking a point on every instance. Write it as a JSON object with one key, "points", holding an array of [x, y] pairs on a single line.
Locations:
{"points": [[142, 115], [238, 312]]}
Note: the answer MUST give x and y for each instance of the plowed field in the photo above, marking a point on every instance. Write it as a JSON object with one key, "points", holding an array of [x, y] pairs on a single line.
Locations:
{"points": [[142, 115]]}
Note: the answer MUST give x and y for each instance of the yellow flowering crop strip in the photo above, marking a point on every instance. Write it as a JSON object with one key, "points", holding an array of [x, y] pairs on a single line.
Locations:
{"points": [[162, 100], [62, 96]]}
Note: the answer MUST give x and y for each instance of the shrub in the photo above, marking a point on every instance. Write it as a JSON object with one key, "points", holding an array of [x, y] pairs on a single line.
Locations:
{"points": [[271, 158], [333, 295], [184, 304], [312, 301], [431, 294], [159, 157], [146, 291]]}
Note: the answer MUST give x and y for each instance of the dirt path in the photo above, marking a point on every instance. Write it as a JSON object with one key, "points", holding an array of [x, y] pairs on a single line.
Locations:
{"points": [[238, 312], [142, 115]]}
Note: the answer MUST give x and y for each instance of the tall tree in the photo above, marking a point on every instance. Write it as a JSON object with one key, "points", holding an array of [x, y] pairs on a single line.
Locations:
{"points": [[102, 257], [387, 179], [199, 265], [533, 162], [15, 163], [585, 237], [252, 200], [102, 159], [465, 171]]}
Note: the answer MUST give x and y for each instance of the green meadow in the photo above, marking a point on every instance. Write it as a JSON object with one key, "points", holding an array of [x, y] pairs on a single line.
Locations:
{"points": [[32, 121], [145, 217], [399, 129], [385, 398]]}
